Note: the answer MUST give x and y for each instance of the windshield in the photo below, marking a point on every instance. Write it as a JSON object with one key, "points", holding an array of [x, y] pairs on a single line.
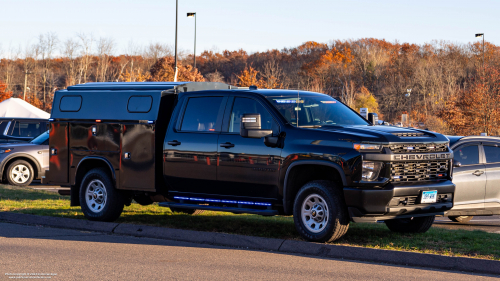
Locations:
{"points": [[315, 111], [41, 138]]}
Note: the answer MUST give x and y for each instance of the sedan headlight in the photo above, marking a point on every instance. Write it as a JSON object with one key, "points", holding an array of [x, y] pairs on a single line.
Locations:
{"points": [[5, 150], [367, 147], [371, 170]]}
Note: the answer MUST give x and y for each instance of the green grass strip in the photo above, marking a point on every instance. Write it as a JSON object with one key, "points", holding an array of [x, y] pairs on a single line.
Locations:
{"points": [[461, 243]]}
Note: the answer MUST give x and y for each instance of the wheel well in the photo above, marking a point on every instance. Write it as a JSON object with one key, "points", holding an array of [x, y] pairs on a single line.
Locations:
{"points": [[83, 168], [30, 161], [302, 174]]}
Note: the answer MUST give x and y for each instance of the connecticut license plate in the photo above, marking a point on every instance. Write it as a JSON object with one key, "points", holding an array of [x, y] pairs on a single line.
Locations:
{"points": [[429, 196]]}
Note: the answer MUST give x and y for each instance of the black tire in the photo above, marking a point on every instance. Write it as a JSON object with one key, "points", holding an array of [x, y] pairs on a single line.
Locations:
{"points": [[323, 196], [461, 219], [98, 182], [186, 211], [410, 225], [20, 173]]}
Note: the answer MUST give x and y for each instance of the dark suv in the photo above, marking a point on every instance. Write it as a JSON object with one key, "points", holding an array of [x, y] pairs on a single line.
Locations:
{"points": [[21, 129]]}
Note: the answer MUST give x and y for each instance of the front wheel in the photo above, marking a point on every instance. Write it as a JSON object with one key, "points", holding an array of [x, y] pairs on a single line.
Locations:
{"points": [[99, 199], [319, 212], [410, 225], [461, 219]]}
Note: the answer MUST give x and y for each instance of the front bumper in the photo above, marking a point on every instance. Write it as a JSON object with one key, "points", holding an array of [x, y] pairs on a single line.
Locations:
{"points": [[397, 201]]}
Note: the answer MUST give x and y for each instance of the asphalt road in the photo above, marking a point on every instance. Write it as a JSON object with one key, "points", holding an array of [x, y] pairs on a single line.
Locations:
{"points": [[80, 255], [484, 223]]}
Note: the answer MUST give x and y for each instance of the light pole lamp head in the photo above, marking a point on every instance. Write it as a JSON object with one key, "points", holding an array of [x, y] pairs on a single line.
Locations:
{"points": [[191, 15], [479, 34]]}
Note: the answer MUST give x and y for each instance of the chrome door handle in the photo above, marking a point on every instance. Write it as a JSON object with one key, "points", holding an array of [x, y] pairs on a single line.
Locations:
{"points": [[478, 173], [227, 145], [174, 143]]}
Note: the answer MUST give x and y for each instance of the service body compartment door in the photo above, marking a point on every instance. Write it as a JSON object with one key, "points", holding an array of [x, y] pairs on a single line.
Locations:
{"points": [[137, 162], [58, 151]]}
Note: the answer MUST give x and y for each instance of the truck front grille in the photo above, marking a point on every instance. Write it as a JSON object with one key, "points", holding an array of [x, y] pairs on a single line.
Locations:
{"points": [[418, 148], [419, 171]]}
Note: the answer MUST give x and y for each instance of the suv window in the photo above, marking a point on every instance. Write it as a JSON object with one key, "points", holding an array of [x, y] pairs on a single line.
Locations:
{"points": [[245, 105], [201, 114], [467, 155], [26, 129], [492, 153]]}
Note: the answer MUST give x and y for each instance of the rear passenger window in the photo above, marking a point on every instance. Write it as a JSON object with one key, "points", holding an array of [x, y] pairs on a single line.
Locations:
{"points": [[492, 154], [201, 114], [467, 155], [70, 103], [139, 104], [26, 129]]}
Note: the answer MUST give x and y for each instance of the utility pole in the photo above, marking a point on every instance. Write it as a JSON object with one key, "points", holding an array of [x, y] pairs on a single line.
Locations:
{"points": [[193, 15], [175, 64], [481, 35]]}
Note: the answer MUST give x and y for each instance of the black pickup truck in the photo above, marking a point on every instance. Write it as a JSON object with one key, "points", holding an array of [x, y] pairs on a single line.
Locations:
{"points": [[212, 146]]}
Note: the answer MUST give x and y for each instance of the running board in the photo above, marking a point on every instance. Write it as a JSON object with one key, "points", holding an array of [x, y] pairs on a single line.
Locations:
{"points": [[267, 212]]}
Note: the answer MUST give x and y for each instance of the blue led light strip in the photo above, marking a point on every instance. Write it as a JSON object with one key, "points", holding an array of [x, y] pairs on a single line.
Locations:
{"points": [[223, 201]]}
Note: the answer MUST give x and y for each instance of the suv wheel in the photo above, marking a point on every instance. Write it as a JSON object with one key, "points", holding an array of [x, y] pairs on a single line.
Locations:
{"points": [[461, 219], [186, 211], [20, 173], [410, 225], [99, 199], [319, 212]]}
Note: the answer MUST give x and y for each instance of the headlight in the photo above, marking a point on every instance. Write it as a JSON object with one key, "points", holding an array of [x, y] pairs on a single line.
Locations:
{"points": [[371, 170], [367, 147], [5, 151]]}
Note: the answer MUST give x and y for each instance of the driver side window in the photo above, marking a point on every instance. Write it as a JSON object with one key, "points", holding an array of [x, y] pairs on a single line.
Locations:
{"points": [[467, 155], [245, 105]]}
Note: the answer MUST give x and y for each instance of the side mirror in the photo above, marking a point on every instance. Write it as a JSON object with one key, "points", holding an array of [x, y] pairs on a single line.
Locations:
{"points": [[373, 118], [457, 164], [250, 126]]}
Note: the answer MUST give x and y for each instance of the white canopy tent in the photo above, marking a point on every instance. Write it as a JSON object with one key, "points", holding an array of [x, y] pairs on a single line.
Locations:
{"points": [[17, 108]]}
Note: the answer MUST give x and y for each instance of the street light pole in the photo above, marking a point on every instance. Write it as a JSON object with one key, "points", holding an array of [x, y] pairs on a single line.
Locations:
{"points": [[481, 35], [191, 15], [175, 62]]}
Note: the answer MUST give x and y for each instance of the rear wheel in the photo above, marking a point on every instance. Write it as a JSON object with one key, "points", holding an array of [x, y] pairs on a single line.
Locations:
{"points": [[99, 199], [319, 212], [186, 211], [410, 225], [461, 219], [20, 173]]}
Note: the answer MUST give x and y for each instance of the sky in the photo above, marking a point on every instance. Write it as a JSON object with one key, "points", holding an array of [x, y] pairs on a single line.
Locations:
{"points": [[254, 26]]}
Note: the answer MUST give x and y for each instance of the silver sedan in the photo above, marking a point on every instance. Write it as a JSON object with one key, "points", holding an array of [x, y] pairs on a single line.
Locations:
{"points": [[21, 163]]}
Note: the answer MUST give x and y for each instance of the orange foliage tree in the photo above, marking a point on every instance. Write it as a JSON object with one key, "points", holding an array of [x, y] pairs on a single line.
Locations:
{"points": [[478, 109], [4, 94], [163, 70], [248, 77]]}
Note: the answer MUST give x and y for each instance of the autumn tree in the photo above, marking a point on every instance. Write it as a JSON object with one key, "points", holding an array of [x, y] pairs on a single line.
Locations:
{"points": [[163, 70], [365, 99], [4, 94], [248, 77]]}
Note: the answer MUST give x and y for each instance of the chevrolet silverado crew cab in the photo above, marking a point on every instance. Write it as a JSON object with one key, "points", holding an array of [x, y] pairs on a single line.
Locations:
{"points": [[212, 146]]}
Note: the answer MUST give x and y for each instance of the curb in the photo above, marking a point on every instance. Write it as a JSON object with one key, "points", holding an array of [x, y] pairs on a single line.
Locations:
{"points": [[267, 244]]}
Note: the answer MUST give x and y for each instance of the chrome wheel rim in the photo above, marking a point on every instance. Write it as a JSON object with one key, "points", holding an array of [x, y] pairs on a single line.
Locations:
{"points": [[20, 174], [314, 213], [95, 196]]}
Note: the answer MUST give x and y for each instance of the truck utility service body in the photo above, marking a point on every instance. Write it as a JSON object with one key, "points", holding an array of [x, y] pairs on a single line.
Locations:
{"points": [[192, 146]]}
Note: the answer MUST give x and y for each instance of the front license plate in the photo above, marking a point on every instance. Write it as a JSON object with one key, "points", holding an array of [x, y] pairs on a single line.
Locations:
{"points": [[429, 196]]}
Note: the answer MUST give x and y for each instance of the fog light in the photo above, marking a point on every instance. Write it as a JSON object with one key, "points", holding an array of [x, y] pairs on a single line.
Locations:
{"points": [[371, 170]]}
